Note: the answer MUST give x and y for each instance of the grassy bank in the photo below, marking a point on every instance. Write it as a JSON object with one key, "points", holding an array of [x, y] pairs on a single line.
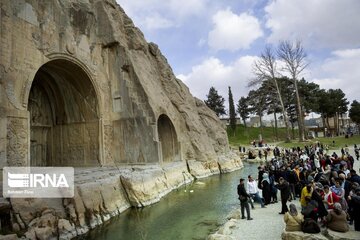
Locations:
{"points": [[243, 136], [339, 142]]}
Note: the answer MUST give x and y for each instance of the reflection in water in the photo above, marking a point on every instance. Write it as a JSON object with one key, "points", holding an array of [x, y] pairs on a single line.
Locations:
{"points": [[182, 214]]}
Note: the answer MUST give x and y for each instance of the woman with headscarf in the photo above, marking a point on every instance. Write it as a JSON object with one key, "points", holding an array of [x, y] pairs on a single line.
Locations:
{"points": [[329, 197], [316, 196], [293, 219], [310, 213], [266, 191], [340, 192], [311, 210], [336, 219]]}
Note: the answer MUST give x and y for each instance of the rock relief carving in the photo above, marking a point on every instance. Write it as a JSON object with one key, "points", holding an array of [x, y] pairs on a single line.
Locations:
{"points": [[17, 146], [108, 138], [76, 134]]}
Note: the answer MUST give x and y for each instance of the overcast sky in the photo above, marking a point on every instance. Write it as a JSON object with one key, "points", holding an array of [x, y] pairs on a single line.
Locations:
{"points": [[214, 43]]}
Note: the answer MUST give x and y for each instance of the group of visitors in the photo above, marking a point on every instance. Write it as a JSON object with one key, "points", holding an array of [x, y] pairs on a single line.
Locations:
{"points": [[327, 187]]}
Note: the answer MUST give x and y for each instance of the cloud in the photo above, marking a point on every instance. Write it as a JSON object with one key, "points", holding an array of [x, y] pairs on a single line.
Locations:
{"points": [[233, 32], [319, 24], [212, 72], [340, 71], [158, 14], [155, 21], [183, 9]]}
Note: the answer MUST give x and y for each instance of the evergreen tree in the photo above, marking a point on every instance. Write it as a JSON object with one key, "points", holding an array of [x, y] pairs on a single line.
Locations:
{"points": [[332, 103], [215, 102], [354, 112], [258, 103], [232, 113], [243, 109], [309, 94]]}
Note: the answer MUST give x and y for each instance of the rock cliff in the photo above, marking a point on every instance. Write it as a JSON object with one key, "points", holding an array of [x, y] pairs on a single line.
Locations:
{"points": [[80, 86]]}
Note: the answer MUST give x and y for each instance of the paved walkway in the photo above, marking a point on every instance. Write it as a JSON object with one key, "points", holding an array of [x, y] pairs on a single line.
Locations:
{"points": [[267, 223]]}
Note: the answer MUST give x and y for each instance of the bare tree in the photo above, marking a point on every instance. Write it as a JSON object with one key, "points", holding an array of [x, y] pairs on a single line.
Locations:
{"points": [[265, 68], [294, 58]]}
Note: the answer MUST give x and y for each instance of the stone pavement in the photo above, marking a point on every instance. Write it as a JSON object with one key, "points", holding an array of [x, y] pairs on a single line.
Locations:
{"points": [[267, 223]]}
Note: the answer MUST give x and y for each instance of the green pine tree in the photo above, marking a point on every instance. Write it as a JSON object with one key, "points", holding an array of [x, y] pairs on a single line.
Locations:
{"points": [[232, 113], [215, 102]]}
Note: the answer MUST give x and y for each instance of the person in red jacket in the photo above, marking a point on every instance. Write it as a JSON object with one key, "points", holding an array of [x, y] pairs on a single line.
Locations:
{"points": [[330, 198]]}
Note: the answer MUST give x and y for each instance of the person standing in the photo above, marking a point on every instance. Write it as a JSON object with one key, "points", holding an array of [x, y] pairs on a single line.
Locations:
{"points": [[266, 154], [260, 175], [355, 203], [266, 191], [244, 199], [254, 192], [284, 188], [356, 152]]}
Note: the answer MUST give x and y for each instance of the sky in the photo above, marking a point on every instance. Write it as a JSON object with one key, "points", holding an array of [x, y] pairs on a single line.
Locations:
{"points": [[215, 42]]}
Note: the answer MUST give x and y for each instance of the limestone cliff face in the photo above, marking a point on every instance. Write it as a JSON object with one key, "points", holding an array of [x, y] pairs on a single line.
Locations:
{"points": [[82, 71], [81, 87]]}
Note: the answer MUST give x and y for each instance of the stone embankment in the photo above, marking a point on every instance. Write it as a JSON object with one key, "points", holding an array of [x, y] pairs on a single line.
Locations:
{"points": [[102, 193]]}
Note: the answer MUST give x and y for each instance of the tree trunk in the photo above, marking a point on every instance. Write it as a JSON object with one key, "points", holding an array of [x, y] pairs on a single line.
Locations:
{"points": [[337, 124], [293, 130], [276, 127], [261, 125], [246, 130], [327, 120], [339, 115], [343, 123], [303, 124], [283, 110], [300, 115], [324, 124]]}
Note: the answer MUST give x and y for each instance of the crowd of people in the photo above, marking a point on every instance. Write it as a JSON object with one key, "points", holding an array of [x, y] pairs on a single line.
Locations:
{"points": [[327, 186]]}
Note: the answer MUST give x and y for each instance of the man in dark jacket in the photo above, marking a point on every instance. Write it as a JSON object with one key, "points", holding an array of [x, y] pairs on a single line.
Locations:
{"points": [[284, 188], [355, 203], [354, 177], [260, 176], [293, 180], [244, 198]]}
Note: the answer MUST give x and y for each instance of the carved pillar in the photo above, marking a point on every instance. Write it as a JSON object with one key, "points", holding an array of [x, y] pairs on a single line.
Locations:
{"points": [[3, 132], [17, 138], [107, 136], [101, 142], [157, 143], [160, 153], [179, 152]]}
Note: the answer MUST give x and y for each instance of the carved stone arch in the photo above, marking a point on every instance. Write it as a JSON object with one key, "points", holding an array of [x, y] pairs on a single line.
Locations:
{"points": [[63, 56], [168, 140], [64, 116]]}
